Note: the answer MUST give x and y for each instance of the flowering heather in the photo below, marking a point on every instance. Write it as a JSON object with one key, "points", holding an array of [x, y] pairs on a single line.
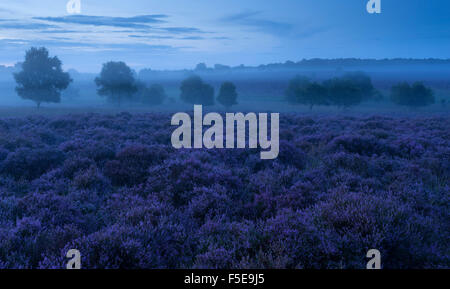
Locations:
{"points": [[113, 187]]}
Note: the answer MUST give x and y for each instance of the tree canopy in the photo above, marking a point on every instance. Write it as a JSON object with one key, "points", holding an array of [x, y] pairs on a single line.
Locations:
{"points": [[227, 94], [415, 95], [41, 78], [362, 82], [153, 95], [116, 81], [303, 91], [195, 91], [345, 91]]}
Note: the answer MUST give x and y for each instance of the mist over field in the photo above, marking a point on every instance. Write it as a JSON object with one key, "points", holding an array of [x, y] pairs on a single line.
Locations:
{"points": [[261, 88]]}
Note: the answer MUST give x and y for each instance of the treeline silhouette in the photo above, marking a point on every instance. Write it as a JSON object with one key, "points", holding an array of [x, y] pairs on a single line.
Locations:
{"points": [[42, 79], [336, 63]]}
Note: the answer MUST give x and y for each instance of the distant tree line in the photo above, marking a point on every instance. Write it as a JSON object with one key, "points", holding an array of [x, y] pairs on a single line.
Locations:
{"points": [[352, 89], [338, 63], [41, 79]]}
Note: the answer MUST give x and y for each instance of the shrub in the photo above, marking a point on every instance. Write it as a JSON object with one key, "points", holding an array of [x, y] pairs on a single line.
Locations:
{"points": [[31, 163], [109, 186], [132, 163]]}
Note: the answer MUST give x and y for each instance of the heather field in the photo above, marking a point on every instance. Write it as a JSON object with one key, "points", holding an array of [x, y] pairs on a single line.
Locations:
{"points": [[112, 186]]}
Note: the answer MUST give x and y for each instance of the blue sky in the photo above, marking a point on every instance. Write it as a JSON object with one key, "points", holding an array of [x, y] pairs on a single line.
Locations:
{"points": [[173, 34]]}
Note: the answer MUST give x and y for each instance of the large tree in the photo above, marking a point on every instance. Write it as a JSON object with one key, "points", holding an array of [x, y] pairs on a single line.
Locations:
{"points": [[41, 78], [195, 91], [227, 94], [116, 81]]}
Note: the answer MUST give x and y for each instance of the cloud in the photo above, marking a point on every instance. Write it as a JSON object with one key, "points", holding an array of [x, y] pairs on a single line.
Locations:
{"points": [[192, 38], [150, 36], [61, 31], [98, 36], [20, 25], [135, 24], [181, 30], [7, 42], [130, 47], [140, 22], [253, 20], [59, 44]]}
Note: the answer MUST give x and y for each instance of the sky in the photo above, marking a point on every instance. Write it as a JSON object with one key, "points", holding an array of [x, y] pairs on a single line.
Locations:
{"points": [[178, 34]]}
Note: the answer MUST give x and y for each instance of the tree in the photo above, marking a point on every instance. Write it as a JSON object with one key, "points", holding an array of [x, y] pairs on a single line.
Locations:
{"points": [[413, 96], [362, 81], [221, 67], [41, 78], [201, 67], [153, 95], [195, 91], [227, 94], [116, 81], [301, 90], [343, 92]]}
